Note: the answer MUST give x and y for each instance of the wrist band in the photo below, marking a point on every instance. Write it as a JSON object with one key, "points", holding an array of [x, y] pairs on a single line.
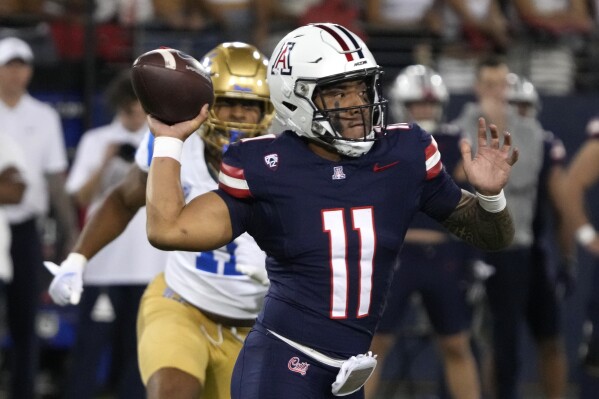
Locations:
{"points": [[492, 203], [585, 234], [76, 259], [169, 147]]}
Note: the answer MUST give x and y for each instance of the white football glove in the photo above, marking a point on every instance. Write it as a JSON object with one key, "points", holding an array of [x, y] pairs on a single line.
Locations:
{"points": [[67, 285], [255, 272]]}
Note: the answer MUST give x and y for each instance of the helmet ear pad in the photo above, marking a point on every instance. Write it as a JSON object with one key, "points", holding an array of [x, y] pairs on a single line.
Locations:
{"points": [[238, 73], [316, 56]]}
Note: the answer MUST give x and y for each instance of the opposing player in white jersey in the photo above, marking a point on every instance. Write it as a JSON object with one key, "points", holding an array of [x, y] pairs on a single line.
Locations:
{"points": [[194, 317]]}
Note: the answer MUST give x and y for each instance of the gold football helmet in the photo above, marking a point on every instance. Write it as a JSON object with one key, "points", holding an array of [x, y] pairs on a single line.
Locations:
{"points": [[238, 72]]}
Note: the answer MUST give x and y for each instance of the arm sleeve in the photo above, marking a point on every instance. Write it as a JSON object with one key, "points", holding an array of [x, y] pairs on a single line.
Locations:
{"points": [[231, 178], [240, 212], [143, 155], [440, 194]]}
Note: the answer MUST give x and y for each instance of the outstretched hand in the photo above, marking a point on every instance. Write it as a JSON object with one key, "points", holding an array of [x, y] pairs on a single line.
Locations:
{"points": [[488, 171], [181, 130]]}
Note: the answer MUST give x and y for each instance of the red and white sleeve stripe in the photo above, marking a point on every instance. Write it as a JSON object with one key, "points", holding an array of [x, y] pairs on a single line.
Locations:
{"points": [[433, 160], [232, 181]]}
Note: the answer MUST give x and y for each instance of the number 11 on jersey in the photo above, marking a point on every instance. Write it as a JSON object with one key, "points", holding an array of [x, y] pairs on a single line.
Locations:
{"points": [[334, 223]]}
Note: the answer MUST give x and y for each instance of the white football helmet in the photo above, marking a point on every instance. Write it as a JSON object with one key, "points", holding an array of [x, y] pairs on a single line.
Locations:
{"points": [[521, 92], [319, 55], [418, 84]]}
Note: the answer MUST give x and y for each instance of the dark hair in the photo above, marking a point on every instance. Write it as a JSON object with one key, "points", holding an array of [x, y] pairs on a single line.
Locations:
{"points": [[489, 61], [119, 93]]}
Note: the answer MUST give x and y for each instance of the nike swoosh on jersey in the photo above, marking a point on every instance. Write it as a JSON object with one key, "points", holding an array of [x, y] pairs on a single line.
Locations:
{"points": [[378, 168]]}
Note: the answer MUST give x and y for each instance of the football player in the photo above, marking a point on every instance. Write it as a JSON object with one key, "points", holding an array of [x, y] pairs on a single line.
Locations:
{"points": [[329, 200], [583, 176], [193, 317], [547, 285], [520, 293], [432, 264]]}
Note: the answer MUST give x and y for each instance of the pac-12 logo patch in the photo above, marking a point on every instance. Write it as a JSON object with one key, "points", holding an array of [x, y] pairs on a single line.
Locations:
{"points": [[338, 173], [297, 366], [272, 161], [282, 62]]}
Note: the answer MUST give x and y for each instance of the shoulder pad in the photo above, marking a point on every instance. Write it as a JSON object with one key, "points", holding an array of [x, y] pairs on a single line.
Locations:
{"points": [[268, 137], [400, 126]]}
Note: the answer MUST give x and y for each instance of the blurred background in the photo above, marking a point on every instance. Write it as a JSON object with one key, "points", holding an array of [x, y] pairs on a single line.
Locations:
{"points": [[80, 45]]}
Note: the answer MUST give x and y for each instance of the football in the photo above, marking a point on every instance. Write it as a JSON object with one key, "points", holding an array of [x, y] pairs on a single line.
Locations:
{"points": [[171, 85]]}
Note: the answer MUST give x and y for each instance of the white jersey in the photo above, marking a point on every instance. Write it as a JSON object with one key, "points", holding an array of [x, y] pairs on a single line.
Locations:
{"points": [[36, 127], [209, 280], [129, 259]]}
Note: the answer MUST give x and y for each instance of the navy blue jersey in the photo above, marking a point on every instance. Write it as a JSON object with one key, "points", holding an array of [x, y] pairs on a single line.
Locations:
{"points": [[448, 138], [332, 230]]}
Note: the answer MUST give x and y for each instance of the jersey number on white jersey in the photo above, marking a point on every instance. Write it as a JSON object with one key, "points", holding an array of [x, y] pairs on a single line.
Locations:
{"points": [[220, 261]]}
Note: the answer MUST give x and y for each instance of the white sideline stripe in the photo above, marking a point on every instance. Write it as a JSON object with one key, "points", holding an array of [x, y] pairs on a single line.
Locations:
{"points": [[233, 182]]}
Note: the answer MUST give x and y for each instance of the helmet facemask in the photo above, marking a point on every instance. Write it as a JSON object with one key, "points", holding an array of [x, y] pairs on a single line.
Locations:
{"points": [[238, 73], [220, 134], [328, 122]]}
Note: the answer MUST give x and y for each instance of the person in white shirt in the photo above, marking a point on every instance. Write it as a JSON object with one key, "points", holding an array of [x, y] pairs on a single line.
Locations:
{"points": [[117, 276], [194, 317], [12, 188], [36, 127]]}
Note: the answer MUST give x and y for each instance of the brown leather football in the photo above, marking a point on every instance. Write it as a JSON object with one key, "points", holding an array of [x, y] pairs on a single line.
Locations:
{"points": [[171, 85]]}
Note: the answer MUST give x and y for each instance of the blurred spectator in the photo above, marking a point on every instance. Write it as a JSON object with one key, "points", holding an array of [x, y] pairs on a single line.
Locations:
{"points": [[432, 264], [196, 26], [275, 18], [583, 177], [471, 29], [554, 18], [125, 12], [234, 18], [550, 34], [342, 12], [404, 31], [12, 187], [37, 129], [404, 15], [520, 290], [481, 23], [11, 8], [184, 14], [116, 277]]}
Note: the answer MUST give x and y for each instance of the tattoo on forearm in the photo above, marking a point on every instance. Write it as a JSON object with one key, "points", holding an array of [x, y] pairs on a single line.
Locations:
{"points": [[485, 230]]}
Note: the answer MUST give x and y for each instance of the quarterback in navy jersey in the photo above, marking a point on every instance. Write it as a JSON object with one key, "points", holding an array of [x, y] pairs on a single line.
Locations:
{"points": [[329, 200]]}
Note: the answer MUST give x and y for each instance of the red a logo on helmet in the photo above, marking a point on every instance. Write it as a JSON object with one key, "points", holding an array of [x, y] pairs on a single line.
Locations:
{"points": [[282, 63]]}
